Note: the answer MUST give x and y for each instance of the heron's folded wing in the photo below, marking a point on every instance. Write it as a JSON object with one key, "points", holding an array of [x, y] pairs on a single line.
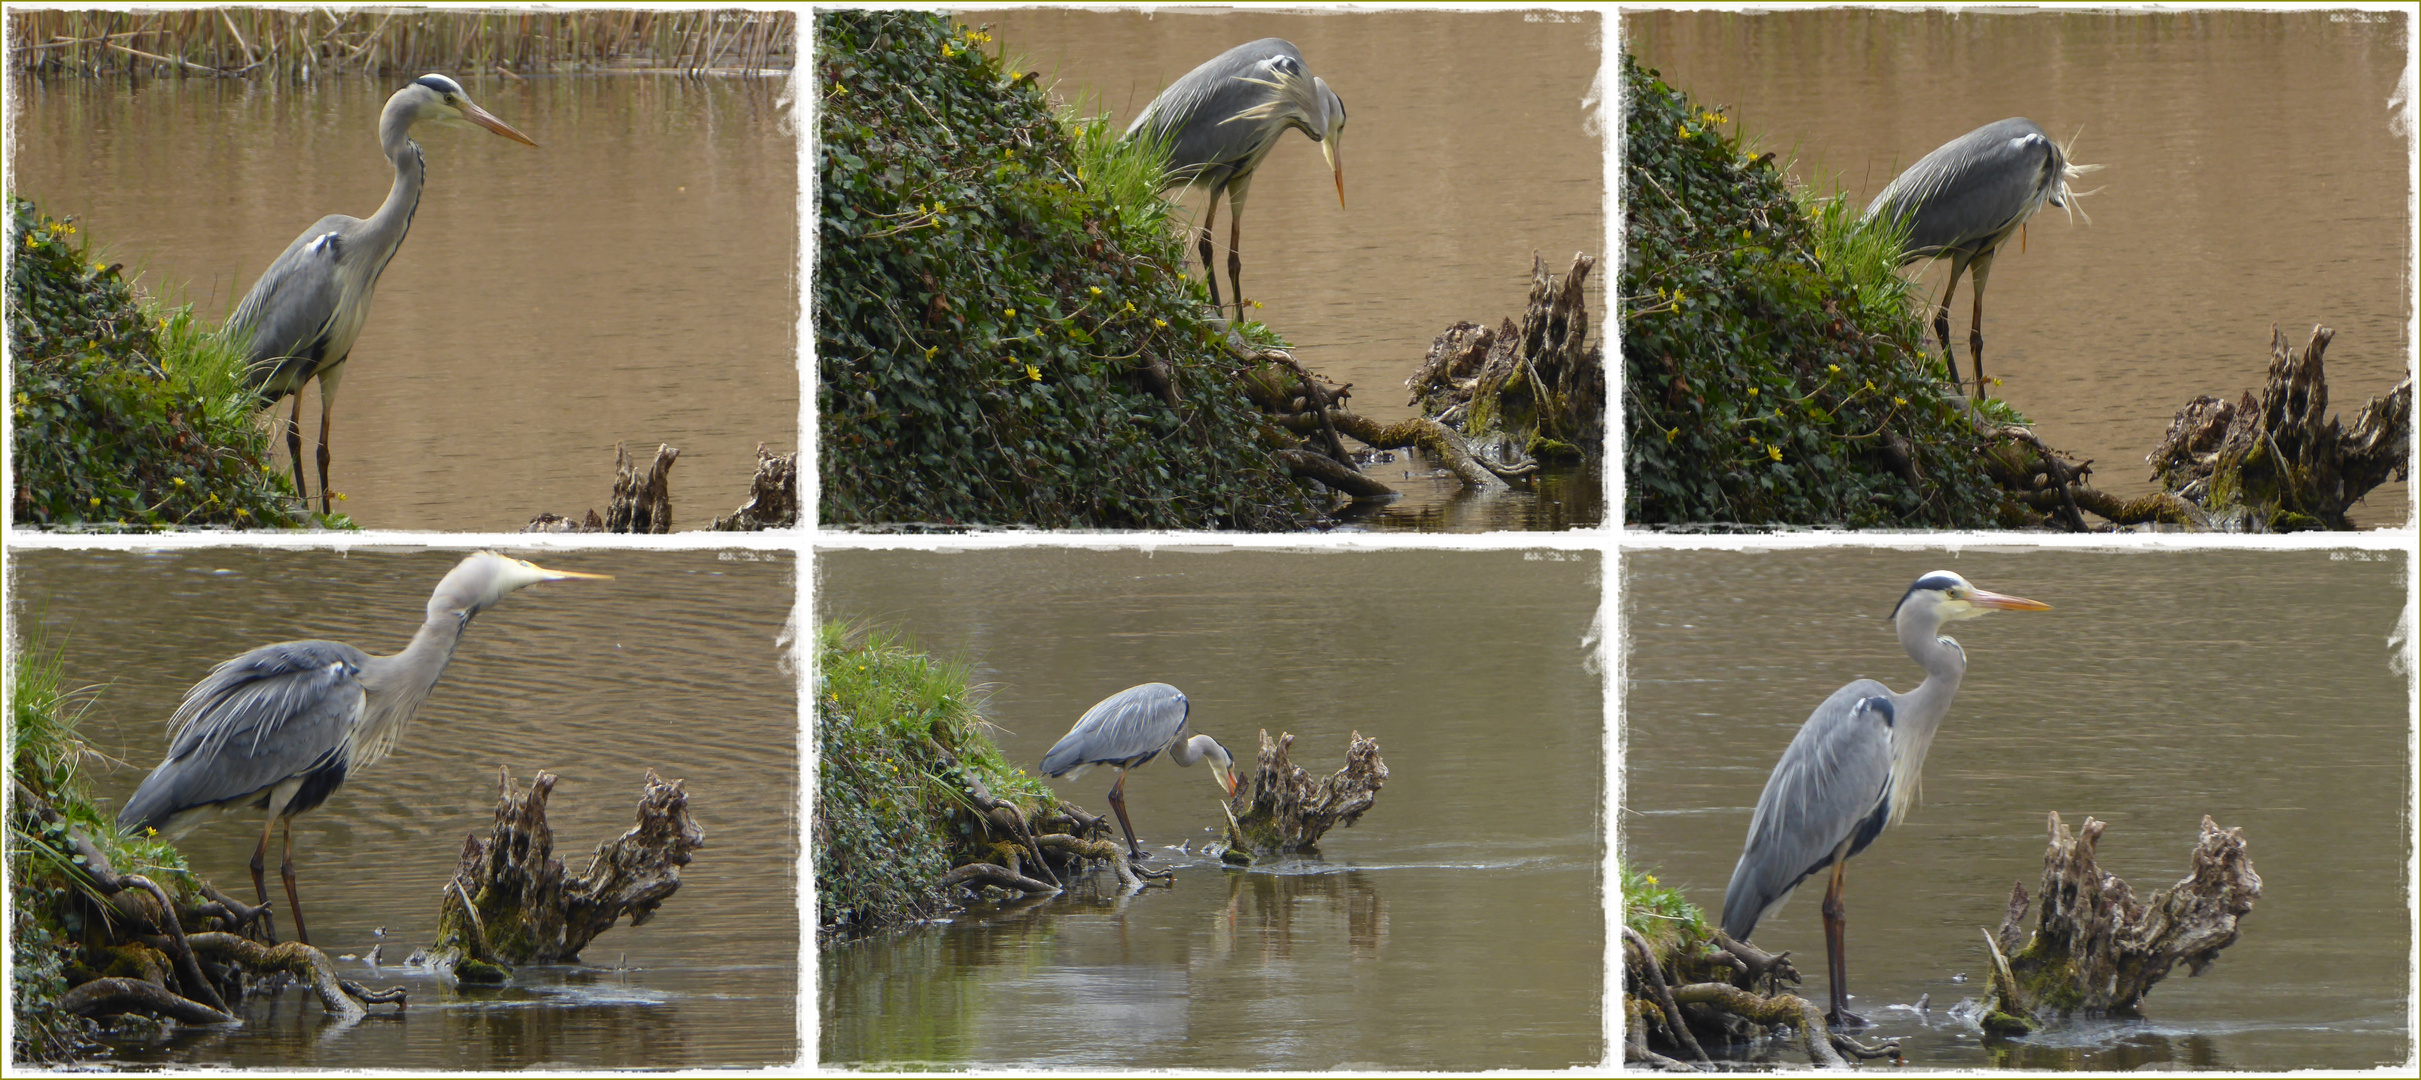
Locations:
{"points": [[265, 716], [288, 312], [1127, 728], [1828, 787]]}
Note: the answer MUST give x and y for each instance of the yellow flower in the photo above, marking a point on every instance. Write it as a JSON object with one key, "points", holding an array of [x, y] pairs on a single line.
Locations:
{"points": [[178, 481], [1834, 368], [1774, 452], [1012, 313], [241, 512], [1130, 307], [947, 51], [1256, 305], [1899, 401], [31, 242], [1683, 129], [1651, 878], [1033, 373], [96, 500], [341, 496], [1095, 289], [1752, 391], [1160, 323], [1671, 433], [929, 351]]}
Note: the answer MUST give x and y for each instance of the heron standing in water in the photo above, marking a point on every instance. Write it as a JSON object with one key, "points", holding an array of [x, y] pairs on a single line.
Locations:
{"points": [[1126, 730], [278, 728], [301, 318], [1962, 200], [1222, 118], [1853, 769]]}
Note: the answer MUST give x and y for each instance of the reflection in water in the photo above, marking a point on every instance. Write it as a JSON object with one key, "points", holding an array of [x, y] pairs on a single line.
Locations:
{"points": [[1457, 926], [2251, 686], [1473, 143], [2223, 210], [631, 279], [1561, 498], [674, 664]]}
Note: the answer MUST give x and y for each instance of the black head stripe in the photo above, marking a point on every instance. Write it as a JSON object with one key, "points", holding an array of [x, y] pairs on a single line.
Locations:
{"points": [[1941, 581], [439, 83]]}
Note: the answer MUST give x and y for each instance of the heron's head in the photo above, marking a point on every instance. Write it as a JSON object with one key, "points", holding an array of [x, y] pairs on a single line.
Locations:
{"points": [[1222, 764], [437, 98], [476, 583], [1944, 597]]}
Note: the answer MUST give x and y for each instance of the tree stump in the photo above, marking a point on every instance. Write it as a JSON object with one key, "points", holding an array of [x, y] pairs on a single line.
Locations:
{"points": [[1286, 811], [773, 497], [509, 902], [642, 502], [2098, 951], [2276, 465]]}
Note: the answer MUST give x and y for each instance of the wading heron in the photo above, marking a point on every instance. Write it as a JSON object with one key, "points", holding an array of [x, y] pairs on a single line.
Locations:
{"points": [[1126, 730], [279, 727], [300, 320], [1853, 769], [1222, 118], [1962, 200]]}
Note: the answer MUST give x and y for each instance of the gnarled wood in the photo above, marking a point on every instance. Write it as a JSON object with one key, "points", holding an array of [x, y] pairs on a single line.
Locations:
{"points": [[1287, 811], [2095, 948], [773, 496]]}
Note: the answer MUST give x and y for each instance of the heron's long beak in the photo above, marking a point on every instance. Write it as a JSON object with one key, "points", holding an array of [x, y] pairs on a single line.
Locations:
{"points": [[1328, 149], [1998, 602], [567, 575], [473, 113], [1226, 778]]}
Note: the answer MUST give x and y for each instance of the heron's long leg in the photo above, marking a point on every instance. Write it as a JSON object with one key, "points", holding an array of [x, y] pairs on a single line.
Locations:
{"points": [[1941, 315], [285, 870], [327, 404], [294, 450], [260, 856], [1836, 946], [1235, 261], [1975, 327], [1134, 849], [1210, 268]]}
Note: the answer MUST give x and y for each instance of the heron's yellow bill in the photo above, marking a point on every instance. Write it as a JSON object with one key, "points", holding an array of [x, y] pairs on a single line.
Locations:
{"points": [[1328, 149], [567, 575], [1998, 602], [473, 113]]}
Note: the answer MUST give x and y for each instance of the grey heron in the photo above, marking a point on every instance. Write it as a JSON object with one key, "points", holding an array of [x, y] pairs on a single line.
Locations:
{"points": [[279, 727], [301, 318], [1853, 769], [1127, 729], [1222, 118], [1967, 196]]}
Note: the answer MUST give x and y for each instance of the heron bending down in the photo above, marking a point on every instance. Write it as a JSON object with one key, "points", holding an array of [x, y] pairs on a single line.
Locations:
{"points": [[1853, 769], [281, 726], [1966, 197], [1222, 118], [1127, 729], [300, 320]]}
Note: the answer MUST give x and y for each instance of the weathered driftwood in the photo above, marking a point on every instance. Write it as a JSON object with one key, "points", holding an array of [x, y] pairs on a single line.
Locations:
{"points": [[308, 965], [1670, 1015], [117, 995], [1543, 382], [1287, 811], [2098, 951], [509, 902], [773, 496], [2281, 463], [642, 501]]}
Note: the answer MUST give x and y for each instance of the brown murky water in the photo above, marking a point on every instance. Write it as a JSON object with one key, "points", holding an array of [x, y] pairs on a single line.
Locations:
{"points": [[675, 664], [2251, 686], [633, 279], [1473, 141], [1459, 925], [2254, 174]]}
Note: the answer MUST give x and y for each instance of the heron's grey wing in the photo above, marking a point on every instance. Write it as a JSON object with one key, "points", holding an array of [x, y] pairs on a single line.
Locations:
{"points": [[1193, 114], [274, 713], [1829, 788], [1125, 729], [1979, 185], [287, 320]]}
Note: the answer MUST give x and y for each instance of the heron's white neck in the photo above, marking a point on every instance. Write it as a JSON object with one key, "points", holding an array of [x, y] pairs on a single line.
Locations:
{"points": [[1920, 711], [394, 217], [397, 684]]}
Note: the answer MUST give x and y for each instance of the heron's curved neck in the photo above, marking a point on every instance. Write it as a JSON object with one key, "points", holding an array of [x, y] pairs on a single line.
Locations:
{"points": [[1944, 663], [394, 217], [396, 685], [1185, 752]]}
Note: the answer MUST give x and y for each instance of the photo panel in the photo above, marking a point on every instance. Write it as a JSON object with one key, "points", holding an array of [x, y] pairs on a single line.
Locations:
{"points": [[678, 665], [2266, 689]]}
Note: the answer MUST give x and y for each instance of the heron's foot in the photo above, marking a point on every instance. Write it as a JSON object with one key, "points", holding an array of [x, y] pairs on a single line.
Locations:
{"points": [[1137, 854], [1843, 1018]]}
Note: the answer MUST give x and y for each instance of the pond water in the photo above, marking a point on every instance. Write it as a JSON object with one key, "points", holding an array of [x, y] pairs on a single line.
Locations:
{"points": [[2254, 687], [632, 279], [677, 664], [2254, 174], [1473, 142], [1459, 925]]}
